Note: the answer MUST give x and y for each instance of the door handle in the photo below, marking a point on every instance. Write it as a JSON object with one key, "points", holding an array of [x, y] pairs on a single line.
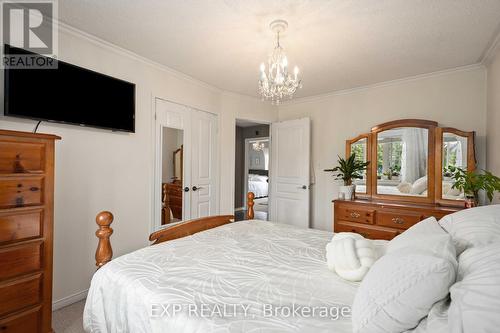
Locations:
{"points": [[303, 187], [186, 189], [197, 188]]}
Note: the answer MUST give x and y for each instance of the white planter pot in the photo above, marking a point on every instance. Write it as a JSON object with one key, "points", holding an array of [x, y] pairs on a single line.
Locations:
{"points": [[348, 191]]}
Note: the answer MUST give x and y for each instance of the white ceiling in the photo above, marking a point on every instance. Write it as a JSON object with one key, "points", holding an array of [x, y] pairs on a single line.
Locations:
{"points": [[338, 44]]}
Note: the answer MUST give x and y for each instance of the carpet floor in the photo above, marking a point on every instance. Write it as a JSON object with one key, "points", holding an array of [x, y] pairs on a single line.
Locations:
{"points": [[69, 319]]}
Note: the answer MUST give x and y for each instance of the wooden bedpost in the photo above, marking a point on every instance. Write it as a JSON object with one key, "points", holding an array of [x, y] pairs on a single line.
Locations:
{"points": [[250, 203], [104, 252]]}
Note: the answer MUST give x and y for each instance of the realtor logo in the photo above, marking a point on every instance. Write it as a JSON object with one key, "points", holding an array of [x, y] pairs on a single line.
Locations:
{"points": [[29, 34]]}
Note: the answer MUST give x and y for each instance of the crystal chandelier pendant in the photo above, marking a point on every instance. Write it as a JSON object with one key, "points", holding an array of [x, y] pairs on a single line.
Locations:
{"points": [[258, 146], [277, 84]]}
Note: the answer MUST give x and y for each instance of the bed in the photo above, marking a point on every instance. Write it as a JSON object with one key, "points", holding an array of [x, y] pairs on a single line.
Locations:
{"points": [[258, 184], [253, 267], [255, 272], [214, 275]]}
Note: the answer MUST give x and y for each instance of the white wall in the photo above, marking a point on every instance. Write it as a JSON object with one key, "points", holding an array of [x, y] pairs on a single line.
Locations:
{"points": [[100, 170], [493, 118], [454, 98]]}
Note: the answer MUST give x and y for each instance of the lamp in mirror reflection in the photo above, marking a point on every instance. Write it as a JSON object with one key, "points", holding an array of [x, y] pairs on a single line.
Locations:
{"points": [[258, 145]]}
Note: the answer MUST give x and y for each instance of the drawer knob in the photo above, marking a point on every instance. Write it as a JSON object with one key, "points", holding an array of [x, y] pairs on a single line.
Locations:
{"points": [[355, 215], [398, 220], [19, 201], [34, 189]]}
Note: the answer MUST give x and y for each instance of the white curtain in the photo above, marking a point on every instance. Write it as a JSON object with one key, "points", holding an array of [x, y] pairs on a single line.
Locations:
{"points": [[414, 155], [461, 152], [266, 158]]}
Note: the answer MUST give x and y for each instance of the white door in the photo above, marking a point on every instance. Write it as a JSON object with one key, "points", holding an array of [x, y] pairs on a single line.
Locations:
{"points": [[203, 164], [290, 164], [171, 115]]}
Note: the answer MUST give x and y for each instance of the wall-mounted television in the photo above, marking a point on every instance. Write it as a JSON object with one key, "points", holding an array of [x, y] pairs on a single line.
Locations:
{"points": [[69, 94]]}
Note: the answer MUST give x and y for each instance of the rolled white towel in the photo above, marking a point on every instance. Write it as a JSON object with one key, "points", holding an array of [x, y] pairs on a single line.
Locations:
{"points": [[350, 255]]}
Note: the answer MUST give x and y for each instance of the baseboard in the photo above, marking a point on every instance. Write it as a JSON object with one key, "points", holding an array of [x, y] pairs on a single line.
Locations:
{"points": [[68, 300], [239, 209]]}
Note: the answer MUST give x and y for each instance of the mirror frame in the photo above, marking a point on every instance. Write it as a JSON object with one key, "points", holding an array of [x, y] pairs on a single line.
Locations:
{"points": [[348, 144], [471, 161], [179, 151], [435, 151], [425, 124]]}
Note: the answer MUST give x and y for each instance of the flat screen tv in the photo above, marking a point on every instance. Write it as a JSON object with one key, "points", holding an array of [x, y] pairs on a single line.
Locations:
{"points": [[69, 94]]}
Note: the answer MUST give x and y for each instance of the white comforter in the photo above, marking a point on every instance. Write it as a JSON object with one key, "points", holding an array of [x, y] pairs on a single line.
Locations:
{"points": [[259, 188], [254, 265]]}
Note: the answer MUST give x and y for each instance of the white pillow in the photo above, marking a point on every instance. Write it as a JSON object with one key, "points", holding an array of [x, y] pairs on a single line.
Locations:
{"points": [[404, 187], [437, 319], [261, 179], [475, 301], [453, 192], [350, 255], [257, 178], [252, 177], [446, 187], [473, 227], [402, 286], [427, 236], [419, 186]]}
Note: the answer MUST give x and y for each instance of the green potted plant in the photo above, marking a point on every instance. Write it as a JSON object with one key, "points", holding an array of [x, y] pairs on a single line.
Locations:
{"points": [[347, 170], [472, 182]]}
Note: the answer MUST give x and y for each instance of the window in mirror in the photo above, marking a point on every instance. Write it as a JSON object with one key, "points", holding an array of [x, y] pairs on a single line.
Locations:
{"points": [[402, 161], [359, 149], [454, 156]]}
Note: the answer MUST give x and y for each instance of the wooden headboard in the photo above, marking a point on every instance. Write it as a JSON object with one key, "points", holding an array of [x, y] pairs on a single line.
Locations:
{"points": [[104, 252], [259, 172]]}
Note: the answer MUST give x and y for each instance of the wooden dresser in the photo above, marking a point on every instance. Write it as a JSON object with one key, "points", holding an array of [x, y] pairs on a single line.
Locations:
{"points": [[172, 199], [26, 228], [377, 219]]}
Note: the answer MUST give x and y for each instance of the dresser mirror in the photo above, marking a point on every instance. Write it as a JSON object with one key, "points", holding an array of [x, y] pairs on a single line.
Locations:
{"points": [[360, 146], [402, 161], [410, 161], [457, 151]]}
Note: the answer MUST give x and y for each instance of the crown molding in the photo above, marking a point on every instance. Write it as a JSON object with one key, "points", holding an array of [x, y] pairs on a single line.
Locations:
{"points": [[70, 30], [492, 49], [382, 84]]}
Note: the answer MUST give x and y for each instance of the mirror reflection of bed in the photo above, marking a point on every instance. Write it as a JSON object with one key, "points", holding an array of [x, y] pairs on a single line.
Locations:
{"points": [[252, 156], [402, 161], [258, 175], [172, 175]]}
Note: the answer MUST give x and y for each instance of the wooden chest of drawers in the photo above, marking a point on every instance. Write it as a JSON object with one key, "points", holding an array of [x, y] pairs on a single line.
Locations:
{"points": [[175, 199], [382, 220], [26, 224]]}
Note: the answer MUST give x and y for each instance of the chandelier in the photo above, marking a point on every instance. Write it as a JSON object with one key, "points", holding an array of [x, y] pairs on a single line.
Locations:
{"points": [[277, 84], [258, 145]]}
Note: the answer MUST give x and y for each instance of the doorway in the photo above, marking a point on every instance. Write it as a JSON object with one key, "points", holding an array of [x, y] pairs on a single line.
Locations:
{"points": [[252, 153]]}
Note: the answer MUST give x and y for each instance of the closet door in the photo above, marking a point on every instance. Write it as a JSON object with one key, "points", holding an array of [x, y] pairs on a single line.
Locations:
{"points": [[203, 164], [174, 116]]}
